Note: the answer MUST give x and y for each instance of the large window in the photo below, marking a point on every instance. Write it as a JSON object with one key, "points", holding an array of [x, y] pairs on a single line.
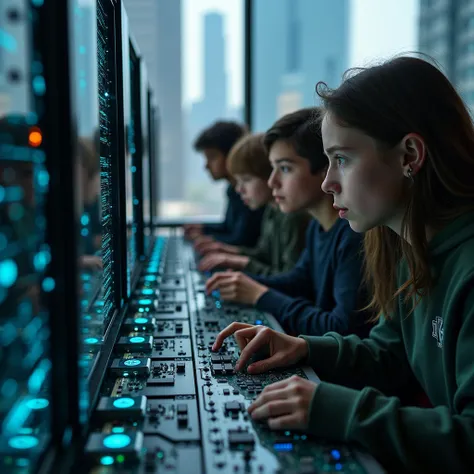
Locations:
{"points": [[194, 53], [297, 43]]}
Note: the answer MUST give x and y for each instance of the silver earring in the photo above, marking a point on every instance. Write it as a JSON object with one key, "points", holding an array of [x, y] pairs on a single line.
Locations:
{"points": [[410, 175]]}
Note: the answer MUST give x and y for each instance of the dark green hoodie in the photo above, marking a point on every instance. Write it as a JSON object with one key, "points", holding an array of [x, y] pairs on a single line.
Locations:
{"points": [[434, 345], [282, 239]]}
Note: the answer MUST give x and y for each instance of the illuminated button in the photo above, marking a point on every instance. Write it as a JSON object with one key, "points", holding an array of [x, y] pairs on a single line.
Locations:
{"points": [[141, 320], [137, 339], [23, 442], [145, 301], [91, 340], [258, 322], [124, 403], [37, 403], [338, 466], [106, 460], [147, 291], [336, 455], [132, 362], [117, 441], [283, 447]]}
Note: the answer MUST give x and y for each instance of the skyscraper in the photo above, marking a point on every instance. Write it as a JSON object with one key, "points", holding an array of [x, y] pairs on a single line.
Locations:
{"points": [[447, 34], [156, 25], [296, 43]]}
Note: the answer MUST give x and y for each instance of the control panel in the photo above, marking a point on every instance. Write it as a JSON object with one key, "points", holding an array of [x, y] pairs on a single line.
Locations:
{"points": [[168, 404]]}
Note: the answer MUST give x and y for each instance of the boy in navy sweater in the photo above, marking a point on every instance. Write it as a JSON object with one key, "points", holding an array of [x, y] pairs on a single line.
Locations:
{"points": [[241, 225], [324, 291]]}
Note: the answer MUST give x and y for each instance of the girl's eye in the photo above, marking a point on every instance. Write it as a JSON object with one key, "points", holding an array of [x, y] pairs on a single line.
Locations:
{"points": [[285, 169], [341, 161]]}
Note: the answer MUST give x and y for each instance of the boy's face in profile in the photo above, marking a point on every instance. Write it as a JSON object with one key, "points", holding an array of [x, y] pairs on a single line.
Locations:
{"points": [[294, 187], [253, 191], [215, 163]]}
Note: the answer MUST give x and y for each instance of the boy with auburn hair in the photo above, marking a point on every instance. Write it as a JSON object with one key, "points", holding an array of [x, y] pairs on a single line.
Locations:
{"points": [[323, 292], [282, 235], [241, 225]]}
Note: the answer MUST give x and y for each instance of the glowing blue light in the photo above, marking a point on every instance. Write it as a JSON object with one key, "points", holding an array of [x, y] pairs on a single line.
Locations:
{"points": [[134, 169], [82, 50], [137, 339], [106, 460], [22, 462], [258, 322], [48, 284], [132, 362], [8, 273], [124, 402], [336, 454], [23, 442], [41, 259], [338, 466], [283, 447], [145, 301], [43, 178], [91, 340], [85, 219], [117, 441], [147, 291], [37, 403], [141, 321], [7, 41], [150, 278], [39, 85], [84, 232], [118, 429]]}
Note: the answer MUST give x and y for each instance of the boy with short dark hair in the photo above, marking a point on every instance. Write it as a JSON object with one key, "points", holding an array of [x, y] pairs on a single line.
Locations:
{"points": [[282, 235], [323, 291], [241, 225]]}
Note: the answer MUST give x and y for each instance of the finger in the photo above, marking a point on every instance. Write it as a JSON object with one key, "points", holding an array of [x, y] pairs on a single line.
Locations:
{"points": [[260, 339], [228, 292], [244, 336], [228, 331], [221, 281], [273, 409], [267, 397], [286, 422]]}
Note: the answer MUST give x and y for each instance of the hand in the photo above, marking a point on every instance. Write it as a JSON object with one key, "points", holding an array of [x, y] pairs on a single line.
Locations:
{"points": [[201, 241], [284, 350], [285, 404], [213, 260], [214, 246], [192, 231], [235, 286]]}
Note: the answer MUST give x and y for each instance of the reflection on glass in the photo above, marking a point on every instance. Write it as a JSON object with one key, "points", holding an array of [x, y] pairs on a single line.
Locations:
{"points": [[92, 53], [25, 365]]}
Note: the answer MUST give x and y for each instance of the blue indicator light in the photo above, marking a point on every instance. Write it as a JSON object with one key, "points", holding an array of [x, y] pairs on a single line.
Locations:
{"points": [[338, 466], [150, 278], [91, 340], [137, 339], [23, 442], [118, 429], [147, 291], [258, 322], [141, 321], [283, 447], [8, 273], [132, 362], [124, 402], [336, 454], [145, 301], [106, 460], [37, 403], [117, 441]]}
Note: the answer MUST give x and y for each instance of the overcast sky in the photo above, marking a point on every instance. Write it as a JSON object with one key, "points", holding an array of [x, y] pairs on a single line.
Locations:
{"points": [[378, 29]]}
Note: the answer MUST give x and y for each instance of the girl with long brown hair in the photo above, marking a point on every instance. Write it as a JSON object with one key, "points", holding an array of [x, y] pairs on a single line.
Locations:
{"points": [[400, 144]]}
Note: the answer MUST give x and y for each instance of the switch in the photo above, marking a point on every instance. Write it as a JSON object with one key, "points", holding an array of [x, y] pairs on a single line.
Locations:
{"points": [[180, 367]]}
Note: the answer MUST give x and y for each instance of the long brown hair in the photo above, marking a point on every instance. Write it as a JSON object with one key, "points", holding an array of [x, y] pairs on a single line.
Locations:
{"points": [[387, 102]]}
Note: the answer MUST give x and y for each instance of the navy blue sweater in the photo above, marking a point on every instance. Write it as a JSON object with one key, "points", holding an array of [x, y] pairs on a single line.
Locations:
{"points": [[241, 225], [323, 292]]}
